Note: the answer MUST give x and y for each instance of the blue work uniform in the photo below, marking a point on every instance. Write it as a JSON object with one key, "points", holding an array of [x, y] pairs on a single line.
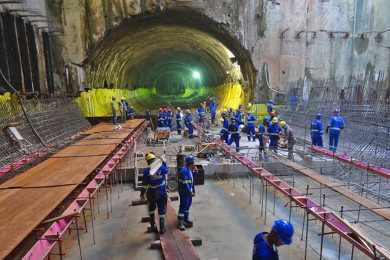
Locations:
{"points": [[234, 136], [251, 127], [131, 113], [225, 130], [261, 133], [178, 123], [261, 249], [213, 111], [317, 131], [161, 119], [156, 190], [238, 117], [336, 123], [169, 119], [201, 114], [274, 131], [270, 106], [186, 189], [189, 126]]}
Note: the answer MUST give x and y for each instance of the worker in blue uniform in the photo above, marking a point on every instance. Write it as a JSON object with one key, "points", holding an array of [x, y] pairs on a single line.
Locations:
{"points": [[270, 106], [261, 135], [336, 124], [188, 123], [274, 131], [265, 244], [161, 118], [238, 117], [154, 185], [251, 127], [267, 121], [169, 116], [201, 112], [179, 118], [317, 130], [234, 131], [186, 191], [131, 112], [213, 110], [225, 128]]}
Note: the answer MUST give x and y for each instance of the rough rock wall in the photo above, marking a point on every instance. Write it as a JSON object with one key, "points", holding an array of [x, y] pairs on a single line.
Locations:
{"points": [[317, 39]]}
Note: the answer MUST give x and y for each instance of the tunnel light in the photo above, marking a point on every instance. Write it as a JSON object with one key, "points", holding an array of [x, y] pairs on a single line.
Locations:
{"points": [[196, 75]]}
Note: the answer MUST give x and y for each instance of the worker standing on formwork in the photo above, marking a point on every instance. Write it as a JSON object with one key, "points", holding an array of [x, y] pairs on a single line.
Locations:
{"points": [[336, 124], [289, 136], [225, 128], [274, 131], [186, 191], [114, 109], [234, 131], [161, 118], [251, 127], [317, 130], [188, 123], [124, 107], [179, 118], [265, 244], [154, 185], [262, 141], [131, 112]]}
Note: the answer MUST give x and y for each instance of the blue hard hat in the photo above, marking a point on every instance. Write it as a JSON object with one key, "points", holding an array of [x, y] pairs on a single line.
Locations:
{"points": [[190, 159], [285, 230]]}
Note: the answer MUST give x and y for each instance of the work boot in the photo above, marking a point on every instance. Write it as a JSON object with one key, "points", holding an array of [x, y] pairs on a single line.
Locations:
{"points": [[152, 228], [249, 138], [180, 224], [188, 223], [162, 226]]}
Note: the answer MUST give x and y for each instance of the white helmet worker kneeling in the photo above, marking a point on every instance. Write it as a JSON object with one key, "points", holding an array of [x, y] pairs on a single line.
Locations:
{"points": [[265, 244]]}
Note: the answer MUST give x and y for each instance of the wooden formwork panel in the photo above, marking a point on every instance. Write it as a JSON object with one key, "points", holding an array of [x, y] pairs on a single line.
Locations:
{"points": [[27, 199]]}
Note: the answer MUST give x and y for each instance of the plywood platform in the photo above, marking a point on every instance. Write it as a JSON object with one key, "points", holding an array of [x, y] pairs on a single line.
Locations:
{"points": [[27, 199]]}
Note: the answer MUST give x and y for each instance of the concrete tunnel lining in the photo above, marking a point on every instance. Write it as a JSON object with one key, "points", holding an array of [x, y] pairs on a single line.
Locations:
{"points": [[149, 50]]}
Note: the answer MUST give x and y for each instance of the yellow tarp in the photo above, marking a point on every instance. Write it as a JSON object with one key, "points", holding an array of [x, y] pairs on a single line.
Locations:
{"points": [[230, 95]]}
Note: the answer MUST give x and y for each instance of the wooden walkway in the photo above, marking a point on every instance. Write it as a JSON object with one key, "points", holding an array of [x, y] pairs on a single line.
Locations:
{"points": [[29, 198]]}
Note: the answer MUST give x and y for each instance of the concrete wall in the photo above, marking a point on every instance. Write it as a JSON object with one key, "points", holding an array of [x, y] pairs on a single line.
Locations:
{"points": [[328, 51]]}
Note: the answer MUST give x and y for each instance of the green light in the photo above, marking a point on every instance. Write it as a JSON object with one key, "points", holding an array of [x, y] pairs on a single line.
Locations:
{"points": [[196, 75]]}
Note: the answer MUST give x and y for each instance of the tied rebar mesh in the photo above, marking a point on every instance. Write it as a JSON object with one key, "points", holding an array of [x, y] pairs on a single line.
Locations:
{"points": [[54, 119]]}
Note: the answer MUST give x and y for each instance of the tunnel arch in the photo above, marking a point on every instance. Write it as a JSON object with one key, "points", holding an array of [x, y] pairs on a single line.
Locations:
{"points": [[141, 49]]}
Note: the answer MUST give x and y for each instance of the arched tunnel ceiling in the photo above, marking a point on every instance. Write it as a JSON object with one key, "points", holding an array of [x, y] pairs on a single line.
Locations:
{"points": [[162, 58]]}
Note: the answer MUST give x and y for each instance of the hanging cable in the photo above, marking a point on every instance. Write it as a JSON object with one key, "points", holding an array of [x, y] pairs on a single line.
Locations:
{"points": [[9, 85], [267, 80]]}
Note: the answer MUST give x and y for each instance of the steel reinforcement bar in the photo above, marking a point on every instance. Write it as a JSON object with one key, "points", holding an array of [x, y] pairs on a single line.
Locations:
{"points": [[327, 217]]}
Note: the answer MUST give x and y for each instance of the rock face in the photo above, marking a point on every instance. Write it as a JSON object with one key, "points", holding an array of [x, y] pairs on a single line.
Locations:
{"points": [[333, 46]]}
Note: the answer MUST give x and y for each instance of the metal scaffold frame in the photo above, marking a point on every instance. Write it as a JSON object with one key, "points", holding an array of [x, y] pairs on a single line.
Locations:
{"points": [[328, 218]]}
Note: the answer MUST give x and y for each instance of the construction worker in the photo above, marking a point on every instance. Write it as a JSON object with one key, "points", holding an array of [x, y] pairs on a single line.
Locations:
{"points": [[317, 130], [131, 112], [161, 118], [124, 107], [179, 118], [265, 244], [251, 127], [274, 131], [201, 111], [261, 136], [238, 116], [114, 109], [230, 113], [270, 106], [186, 191], [213, 110], [169, 118], [188, 123], [336, 124], [267, 121], [154, 185], [234, 134], [225, 128], [289, 136]]}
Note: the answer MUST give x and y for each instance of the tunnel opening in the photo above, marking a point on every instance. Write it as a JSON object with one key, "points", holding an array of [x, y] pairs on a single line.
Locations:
{"points": [[178, 57]]}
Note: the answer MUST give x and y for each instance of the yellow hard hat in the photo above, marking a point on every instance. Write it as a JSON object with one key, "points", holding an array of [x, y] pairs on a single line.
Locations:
{"points": [[283, 124], [150, 156], [275, 120]]}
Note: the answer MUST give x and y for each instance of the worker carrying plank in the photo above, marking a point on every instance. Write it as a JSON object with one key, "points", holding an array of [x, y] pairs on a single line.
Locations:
{"points": [[154, 185], [265, 244], [186, 191]]}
